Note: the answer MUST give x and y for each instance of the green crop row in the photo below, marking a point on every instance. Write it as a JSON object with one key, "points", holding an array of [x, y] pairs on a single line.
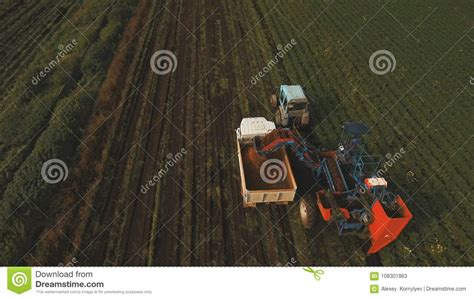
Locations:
{"points": [[421, 106], [45, 120]]}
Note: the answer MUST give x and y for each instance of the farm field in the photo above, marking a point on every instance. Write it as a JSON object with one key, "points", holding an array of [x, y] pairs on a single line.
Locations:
{"points": [[117, 123]]}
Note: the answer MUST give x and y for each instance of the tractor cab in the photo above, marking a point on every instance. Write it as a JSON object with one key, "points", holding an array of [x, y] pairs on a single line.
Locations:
{"points": [[292, 106]]}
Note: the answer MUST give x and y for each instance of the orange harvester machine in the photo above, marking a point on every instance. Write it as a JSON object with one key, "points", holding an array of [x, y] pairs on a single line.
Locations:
{"points": [[351, 194]]}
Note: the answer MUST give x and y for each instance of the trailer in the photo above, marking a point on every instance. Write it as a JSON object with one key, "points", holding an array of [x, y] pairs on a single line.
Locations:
{"points": [[267, 179]]}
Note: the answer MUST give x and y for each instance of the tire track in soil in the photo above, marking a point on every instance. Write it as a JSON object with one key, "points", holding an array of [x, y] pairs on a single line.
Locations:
{"points": [[117, 162], [140, 237], [281, 223], [219, 134], [95, 215], [210, 239], [240, 221], [136, 233], [186, 98], [265, 250], [199, 205], [166, 241], [132, 230], [139, 220], [204, 205], [174, 230], [185, 229], [287, 230], [250, 228], [171, 199], [206, 235], [197, 175], [231, 202]]}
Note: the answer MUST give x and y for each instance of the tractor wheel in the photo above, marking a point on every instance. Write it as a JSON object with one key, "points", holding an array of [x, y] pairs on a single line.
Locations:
{"points": [[307, 211], [278, 118], [273, 101]]}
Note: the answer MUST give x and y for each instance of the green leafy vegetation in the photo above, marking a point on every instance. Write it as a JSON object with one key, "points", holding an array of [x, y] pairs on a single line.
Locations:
{"points": [[45, 120], [114, 122]]}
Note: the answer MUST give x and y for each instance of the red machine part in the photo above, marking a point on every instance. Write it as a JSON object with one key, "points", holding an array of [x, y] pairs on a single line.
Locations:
{"points": [[326, 211], [275, 142], [385, 229]]}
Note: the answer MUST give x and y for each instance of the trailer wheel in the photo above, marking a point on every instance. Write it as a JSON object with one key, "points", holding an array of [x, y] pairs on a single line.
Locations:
{"points": [[307, 211], [246, 204], [273, 101]]}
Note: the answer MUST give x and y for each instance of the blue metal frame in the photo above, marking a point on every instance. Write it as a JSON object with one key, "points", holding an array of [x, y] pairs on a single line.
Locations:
{"points": [[345, 227], [353, 153]]}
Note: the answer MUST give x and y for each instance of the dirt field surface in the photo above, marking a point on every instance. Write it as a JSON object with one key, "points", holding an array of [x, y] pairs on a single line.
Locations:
{"points": [[155, 178]]}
